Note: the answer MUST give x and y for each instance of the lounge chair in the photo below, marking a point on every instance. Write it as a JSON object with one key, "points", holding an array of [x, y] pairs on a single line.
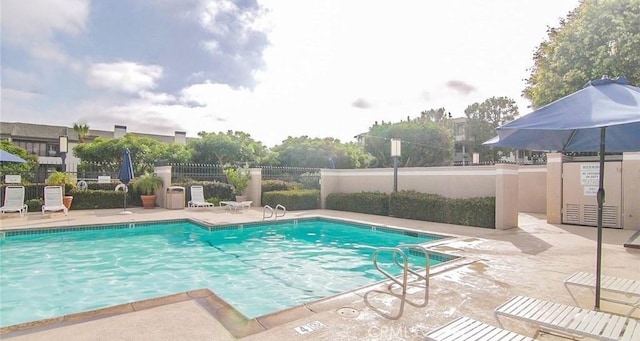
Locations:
{"points": [[14, 200], [570, 320], [197, 198], [235, 204], [468, 329], [608, 285], [53, 200]]}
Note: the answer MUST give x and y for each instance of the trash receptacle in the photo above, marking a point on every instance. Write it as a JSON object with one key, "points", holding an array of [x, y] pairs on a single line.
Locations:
{"points": [[175, 198]]}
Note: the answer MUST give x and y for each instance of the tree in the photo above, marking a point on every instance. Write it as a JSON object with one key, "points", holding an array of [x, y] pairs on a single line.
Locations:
{"points": [[145, 151], [226, 148], [82, 130], [25, 170], [327, 152], [482, 120], [597, 38], [439, 116], [424, 143]]}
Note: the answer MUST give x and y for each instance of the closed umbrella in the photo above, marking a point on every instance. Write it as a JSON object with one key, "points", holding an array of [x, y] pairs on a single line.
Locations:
{"points": [[5, 156], [125, 176], [604, 116]]}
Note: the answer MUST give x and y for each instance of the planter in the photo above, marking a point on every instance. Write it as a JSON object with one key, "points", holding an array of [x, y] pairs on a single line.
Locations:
{"points": [[148, 201], [66, 201]]}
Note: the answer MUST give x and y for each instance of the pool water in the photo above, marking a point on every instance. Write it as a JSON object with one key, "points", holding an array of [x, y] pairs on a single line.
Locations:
{"points": [[258, 269]]}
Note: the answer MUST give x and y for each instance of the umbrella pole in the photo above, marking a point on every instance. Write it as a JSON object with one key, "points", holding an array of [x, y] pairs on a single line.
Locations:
{"points": [[600, 198]]}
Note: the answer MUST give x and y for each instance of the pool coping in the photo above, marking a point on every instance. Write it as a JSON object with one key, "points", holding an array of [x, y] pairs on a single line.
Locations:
{"points": [[232, 320]]}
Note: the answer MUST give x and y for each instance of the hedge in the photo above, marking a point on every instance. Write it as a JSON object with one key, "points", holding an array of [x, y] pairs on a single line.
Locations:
{"points": [[365, 202], [301, 199]]}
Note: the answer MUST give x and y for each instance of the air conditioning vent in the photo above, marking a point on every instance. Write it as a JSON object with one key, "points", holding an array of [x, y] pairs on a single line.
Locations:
{"points": [[572, 214]]}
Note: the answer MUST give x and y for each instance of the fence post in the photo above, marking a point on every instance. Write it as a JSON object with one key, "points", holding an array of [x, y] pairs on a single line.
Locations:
{"points": [[554, 188], [254, 190], [163, 172]]}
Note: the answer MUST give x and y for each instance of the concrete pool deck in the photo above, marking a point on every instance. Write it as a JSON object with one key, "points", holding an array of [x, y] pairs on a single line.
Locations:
{"points": [[531, 260]]}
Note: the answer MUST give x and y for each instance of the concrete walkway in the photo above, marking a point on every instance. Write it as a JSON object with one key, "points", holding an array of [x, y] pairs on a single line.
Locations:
{"points": [[531, 260]]}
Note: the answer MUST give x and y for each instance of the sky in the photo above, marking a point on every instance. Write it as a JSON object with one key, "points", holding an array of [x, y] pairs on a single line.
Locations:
{"points": [[270, 68]]}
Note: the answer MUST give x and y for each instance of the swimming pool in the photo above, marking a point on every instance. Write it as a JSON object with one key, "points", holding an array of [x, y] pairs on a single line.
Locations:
{"points": [[257, 268]]}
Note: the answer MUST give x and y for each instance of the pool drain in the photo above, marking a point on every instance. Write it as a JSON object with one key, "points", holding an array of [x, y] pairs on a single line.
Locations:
{"points": [[348, 312]]}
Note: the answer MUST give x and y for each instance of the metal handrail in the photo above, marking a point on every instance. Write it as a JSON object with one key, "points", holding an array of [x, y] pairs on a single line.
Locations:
{"points": [[264, 212], [400, 258], [284, 211]]}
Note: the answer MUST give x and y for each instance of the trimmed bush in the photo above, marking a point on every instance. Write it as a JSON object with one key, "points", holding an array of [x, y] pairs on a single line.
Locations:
{"points": [[431, 207], [365, 202], [302, 199], [275, 185], [34, 205], [94, 199]]}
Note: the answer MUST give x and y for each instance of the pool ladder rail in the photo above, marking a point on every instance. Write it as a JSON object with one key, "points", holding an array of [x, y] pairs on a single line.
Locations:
{"points": [[274, 213], [420, 277]]}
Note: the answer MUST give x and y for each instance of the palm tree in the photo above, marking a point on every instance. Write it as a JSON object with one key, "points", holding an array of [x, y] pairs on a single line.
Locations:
{"points": [[82, 130]]}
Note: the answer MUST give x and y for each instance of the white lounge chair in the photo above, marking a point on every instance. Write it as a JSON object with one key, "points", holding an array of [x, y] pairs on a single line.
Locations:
{"points": [[235, 204], [14, 200], [197, 198], [609, 285], [467, 329], [53, 200], [570, 320]]}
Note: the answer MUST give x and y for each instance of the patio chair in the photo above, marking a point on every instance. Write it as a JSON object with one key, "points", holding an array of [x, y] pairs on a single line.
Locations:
{"points": [[53, 200], [573, 321], [465, 328], [609, 285], [197, 198], [235, 204], [14, 200]]}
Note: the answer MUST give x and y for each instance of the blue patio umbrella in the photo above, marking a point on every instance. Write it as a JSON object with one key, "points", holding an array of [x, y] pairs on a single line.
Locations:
{"points": [[5, 156], [126, 173], [604, 116]]}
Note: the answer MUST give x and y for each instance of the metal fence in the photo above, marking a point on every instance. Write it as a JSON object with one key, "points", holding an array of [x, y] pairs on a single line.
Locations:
{"points": [[185, 172]]}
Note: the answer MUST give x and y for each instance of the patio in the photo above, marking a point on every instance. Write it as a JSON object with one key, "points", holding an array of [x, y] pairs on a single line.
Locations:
{"points": [[531, 260]]}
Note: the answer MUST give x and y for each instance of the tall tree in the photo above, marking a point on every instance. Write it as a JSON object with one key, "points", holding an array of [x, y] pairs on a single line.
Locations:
{"points": [[144, 151], [597, 38], [82, 130], [424, 143], [226, 148], [482, 119], [327, 152]]}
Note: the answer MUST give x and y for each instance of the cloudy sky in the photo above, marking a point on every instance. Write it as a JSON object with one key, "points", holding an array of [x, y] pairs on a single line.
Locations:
{"points": [[271, 68]]}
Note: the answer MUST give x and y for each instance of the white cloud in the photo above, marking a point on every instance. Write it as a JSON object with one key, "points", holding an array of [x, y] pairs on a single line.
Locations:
{"points": [[33, 24], [126, 77]]}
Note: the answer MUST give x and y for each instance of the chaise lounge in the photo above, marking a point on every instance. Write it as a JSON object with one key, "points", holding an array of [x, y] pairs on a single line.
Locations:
{"points": [[53, 200], [197, 198], [608, 284], [14, 200], [467, 329], [570, 320]]}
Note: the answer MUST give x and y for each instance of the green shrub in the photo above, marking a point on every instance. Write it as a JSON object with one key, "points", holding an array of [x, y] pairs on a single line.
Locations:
{"points": [[211, 189], [303, 199], [365, 202], [310, 180], [95, 199], [34, 205], [275, 185], [431, 207]]}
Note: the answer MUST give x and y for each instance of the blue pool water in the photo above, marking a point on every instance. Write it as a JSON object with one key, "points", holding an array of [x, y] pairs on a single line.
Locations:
{"points": [[259, 269]]}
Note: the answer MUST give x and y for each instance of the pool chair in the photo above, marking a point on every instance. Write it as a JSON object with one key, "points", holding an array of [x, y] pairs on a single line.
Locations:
{"points": [[613, 288], [465, 328], [197, 198], [569, 320], [235, 204], [53, 200], [14, 200]]}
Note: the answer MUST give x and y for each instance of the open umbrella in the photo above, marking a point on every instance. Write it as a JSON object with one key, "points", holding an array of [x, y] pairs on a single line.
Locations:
{"points": [[604, 116], [125, 175], [5, 156]]}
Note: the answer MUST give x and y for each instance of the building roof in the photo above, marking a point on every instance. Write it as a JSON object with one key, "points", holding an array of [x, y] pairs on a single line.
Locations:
{"points": [[18, 130]]}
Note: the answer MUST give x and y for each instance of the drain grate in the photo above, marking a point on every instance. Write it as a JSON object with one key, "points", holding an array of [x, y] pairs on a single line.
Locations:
{"points": [[348, 312]]}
